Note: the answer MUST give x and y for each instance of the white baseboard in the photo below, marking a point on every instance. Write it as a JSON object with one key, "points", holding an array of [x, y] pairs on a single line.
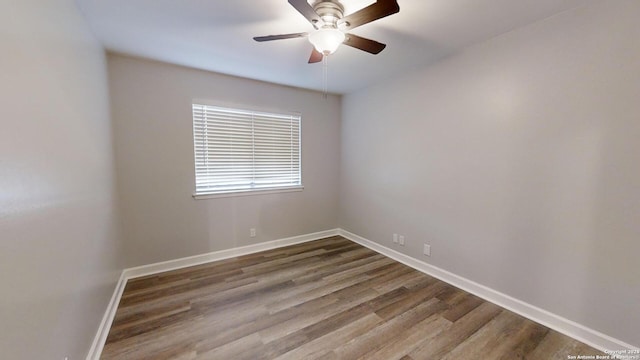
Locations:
{"points": [[130, 273], [570, 328], [224, 254], [107, 320]]}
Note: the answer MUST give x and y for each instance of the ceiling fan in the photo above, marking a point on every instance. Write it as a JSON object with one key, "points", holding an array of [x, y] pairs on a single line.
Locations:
{"points": [[331, 26]]}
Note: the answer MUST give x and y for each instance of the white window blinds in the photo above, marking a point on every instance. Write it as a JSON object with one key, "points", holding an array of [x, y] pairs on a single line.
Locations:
{"points": [[240, 150]]}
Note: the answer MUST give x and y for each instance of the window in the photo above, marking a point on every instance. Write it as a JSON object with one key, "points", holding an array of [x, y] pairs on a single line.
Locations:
{"points": [[245, 151]]}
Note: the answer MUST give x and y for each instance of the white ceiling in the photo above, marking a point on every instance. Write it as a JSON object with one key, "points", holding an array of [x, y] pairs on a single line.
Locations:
{"points": [[217, 35]]}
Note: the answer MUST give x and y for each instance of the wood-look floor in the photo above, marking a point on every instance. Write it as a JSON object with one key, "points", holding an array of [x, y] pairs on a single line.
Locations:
{"points": [[327, 299]]}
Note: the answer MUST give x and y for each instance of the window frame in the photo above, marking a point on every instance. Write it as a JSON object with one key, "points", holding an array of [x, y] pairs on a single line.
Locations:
{"points": [[244, 191]]}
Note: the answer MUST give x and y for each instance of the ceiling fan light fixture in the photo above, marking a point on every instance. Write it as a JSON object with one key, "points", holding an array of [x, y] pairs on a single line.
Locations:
{"points": [[326, 40]]}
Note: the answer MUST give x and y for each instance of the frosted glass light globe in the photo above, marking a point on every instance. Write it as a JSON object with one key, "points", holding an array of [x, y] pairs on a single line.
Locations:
{"points": [[326, 40]]}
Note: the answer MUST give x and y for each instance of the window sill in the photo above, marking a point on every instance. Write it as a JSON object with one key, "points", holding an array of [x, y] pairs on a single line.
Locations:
{"points": [[233, 193]]}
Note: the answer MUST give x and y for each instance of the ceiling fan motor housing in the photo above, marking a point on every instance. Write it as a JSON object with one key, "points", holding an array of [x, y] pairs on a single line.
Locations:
{"points": [[330, 12]]}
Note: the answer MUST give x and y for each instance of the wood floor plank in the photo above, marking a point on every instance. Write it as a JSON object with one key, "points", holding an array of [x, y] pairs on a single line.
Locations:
{"points": [[495, 333], [314, 316], [401, 345], [318, 347], [457, 333], [395, 326], [410, 301], [325, 299], [461, 305]]}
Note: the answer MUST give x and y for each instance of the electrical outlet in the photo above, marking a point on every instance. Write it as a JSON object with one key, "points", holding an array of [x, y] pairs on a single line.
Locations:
{"points": [[395, 238], [427, 250], [252, 232], [401, 240]]}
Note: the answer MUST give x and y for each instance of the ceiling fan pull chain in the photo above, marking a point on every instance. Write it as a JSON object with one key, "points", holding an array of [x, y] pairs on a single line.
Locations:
{"points": [[325, 75]]}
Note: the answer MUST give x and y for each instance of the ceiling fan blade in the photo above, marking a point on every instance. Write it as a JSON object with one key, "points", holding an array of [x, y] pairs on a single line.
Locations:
{"points": [[370, 46], [315, 57], [375, 11], [279, 37], [308, 12]]}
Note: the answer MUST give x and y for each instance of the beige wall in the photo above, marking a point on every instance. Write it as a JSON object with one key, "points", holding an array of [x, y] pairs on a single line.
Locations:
{"points": [[518, 161], [151, 104], [59, 253]]}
